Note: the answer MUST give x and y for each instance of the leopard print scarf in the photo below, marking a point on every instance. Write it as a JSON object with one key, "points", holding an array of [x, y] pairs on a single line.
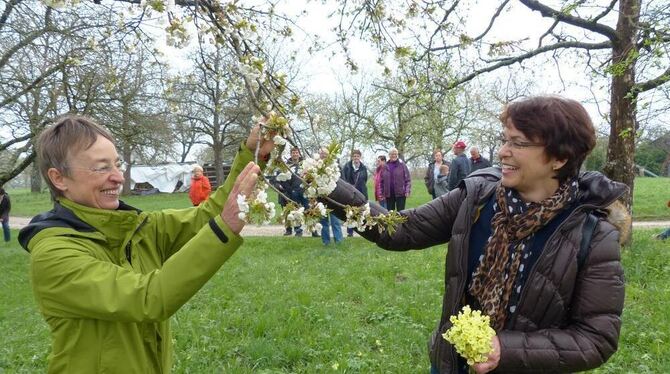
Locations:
{"points": [[496, 273]]}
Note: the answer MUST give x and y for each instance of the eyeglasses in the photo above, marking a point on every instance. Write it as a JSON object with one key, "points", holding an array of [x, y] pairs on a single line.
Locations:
{"points": [[516, 144], [105, 169]]}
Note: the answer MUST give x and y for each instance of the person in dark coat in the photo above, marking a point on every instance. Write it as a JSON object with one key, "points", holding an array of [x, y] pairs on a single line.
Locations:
{"points": [[477, 161], [460, 165], [294, 187], [355, 173], [5, 208], [515, 235]]}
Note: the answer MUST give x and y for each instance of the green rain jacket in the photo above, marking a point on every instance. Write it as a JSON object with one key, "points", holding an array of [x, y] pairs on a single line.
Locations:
{"points": [[107, 281]]}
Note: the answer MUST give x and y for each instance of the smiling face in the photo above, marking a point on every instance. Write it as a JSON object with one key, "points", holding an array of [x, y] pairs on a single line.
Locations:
{"points": [[295, 154], [393, 155], [526, 166], [94, 180]]}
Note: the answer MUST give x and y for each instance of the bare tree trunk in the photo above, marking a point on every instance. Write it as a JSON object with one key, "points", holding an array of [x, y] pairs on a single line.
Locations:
{"points": [[217, 148], [621, 151], [35, 178], [127, 151], [126, 156]]}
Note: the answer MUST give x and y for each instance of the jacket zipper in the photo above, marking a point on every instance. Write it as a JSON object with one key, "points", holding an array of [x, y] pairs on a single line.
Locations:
{"points": [[461, 283], [130, 242]]}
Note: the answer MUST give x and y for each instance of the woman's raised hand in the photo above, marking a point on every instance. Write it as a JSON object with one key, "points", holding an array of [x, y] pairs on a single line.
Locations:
{"points": [[244, 184]]}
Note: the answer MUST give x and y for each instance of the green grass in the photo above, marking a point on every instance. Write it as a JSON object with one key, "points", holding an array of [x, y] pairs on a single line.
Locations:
{"points": [[289, 305], [651, 196]]}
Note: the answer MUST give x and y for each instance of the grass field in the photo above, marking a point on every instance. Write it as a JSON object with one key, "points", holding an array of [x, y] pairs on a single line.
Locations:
{"points": [[291, 305], [650, 198]]}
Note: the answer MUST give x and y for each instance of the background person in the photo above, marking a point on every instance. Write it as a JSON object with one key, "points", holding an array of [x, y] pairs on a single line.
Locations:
{"points": [[294, 186], [477, 161], [200, 186], [355, 173], [5, 208], [379, 192], [432, 172], [107, 276], [460, 165], [442, 182], [396, 182], [331, 221], [517, 258]]}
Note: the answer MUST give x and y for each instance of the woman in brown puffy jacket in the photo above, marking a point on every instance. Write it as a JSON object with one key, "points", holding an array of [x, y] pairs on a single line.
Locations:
{"points": [[514, 235]]}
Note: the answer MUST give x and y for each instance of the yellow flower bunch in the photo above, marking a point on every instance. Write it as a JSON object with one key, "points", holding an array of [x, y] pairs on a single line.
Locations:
{"points": [[471, 335]]}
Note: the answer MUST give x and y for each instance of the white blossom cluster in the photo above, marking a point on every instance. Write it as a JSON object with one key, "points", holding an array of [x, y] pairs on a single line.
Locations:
{"points": [[296, 217], [256, 209], [310, 217], [319, 179], [359, 217], [285, 176], [314, 215], [278, 140]]}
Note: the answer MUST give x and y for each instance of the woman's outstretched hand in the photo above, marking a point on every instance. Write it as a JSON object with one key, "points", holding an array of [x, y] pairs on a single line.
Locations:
{"points": [[244, 184]]}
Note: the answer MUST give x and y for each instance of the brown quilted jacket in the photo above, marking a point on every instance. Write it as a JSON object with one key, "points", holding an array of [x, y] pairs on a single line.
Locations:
{"points": [[566, 320]]}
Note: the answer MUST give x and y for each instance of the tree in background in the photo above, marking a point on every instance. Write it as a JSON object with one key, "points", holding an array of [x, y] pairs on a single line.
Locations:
{"points": [[624, 41]]}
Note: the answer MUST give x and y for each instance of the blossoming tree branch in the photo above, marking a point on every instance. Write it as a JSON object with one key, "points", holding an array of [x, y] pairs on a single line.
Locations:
{"points": [[318, 175]]}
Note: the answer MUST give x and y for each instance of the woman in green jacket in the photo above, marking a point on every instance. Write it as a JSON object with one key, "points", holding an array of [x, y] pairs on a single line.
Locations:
{"points": [[107, 276]]}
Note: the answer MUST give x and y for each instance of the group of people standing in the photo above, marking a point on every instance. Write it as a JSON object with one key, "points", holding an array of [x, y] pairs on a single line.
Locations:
{"points": [[443, 176]]}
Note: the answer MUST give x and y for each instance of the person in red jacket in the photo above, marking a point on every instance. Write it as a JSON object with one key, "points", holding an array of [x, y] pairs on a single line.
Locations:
{"points": [[200, 187]]}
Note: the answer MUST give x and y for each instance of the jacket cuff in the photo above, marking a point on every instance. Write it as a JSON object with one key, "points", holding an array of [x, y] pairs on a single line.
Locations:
{"points": [[221, 233]]}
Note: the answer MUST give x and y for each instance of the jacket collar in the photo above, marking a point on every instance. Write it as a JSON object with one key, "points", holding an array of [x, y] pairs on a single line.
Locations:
{"points": [[70, 215]]}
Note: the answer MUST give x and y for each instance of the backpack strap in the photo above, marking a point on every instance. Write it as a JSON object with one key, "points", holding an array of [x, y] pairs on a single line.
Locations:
{"points": [[587, 234]]}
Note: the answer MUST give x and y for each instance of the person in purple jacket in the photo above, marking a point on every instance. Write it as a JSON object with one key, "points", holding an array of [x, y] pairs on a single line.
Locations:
{"points": [[396, 182]]}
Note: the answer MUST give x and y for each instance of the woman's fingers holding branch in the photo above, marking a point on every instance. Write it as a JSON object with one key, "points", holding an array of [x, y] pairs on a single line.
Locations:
{"points": [[244, 184]]}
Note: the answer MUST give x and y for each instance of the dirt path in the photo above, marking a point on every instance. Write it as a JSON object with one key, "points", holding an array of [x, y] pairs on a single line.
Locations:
{"points": [[277, 230]]}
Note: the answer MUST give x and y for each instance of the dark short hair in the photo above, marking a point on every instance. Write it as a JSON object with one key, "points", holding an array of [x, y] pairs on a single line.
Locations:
{"points": [[69, 135], [381, 157], [356, 152], [561, 124]]}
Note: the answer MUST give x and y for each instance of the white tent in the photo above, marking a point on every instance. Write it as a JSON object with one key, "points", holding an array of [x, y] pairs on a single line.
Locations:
{"points": [[163, 177]]}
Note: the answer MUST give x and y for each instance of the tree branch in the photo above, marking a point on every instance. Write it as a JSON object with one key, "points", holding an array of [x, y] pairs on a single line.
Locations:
{"points": [[525, 56], [15, 140], [606, 11], [653, 83], [591, 25], [478, 37]]}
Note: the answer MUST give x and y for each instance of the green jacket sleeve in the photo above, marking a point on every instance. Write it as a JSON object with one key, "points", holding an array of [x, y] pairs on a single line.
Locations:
{"points": [[70, 281], [174, 227]]}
